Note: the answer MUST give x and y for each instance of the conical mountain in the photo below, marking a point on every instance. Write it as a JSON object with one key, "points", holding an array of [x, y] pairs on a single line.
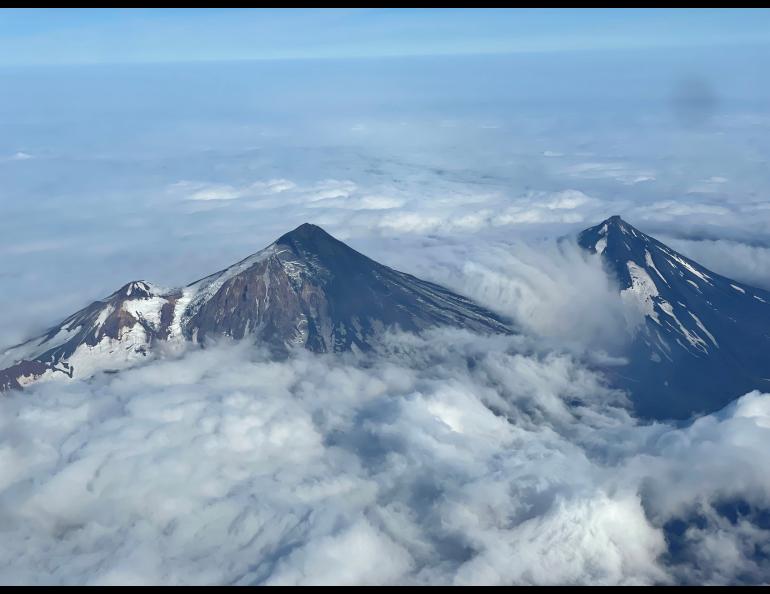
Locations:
{"points": [[701, 339]]}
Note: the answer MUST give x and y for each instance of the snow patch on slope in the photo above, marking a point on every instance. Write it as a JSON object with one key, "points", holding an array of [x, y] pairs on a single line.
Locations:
{"points": [[147, 310], [701, 275], [640, 296], [693, 339], [651, 264], [703, 328], [109, 353], [601, 245]]}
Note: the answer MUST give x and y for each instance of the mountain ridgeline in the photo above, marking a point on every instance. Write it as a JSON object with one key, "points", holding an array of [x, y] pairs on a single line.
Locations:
{"points": [[700, 340]]}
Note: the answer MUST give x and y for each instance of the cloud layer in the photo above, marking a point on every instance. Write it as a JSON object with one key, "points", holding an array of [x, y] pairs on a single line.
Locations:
{"points": [[450, 459]]}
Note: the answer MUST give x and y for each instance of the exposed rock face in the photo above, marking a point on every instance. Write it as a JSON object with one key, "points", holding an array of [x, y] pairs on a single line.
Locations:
{"points": [[20, 374], [701, 339], [311, 289], [306, 289]]}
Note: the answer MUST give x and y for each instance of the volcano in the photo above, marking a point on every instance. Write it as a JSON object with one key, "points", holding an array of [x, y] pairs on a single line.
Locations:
{"points": [[700, 339], [307, 289]]}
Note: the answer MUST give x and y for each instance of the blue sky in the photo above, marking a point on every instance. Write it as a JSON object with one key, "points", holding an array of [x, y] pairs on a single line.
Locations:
{"points": [[76, 36]]}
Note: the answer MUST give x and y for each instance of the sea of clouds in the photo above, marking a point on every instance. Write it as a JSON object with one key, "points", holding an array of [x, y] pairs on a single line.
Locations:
{"points": [[445, 459]]}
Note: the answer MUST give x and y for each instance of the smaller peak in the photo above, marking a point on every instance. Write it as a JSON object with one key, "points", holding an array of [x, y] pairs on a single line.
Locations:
{"points": [[138, 289], [615, 223], [305, 232], [308, 228], [612, 233], [614, 220]]}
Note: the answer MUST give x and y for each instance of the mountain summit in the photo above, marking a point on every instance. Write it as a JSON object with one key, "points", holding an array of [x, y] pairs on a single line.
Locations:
{"points": [[701, 339], [306, 289]]}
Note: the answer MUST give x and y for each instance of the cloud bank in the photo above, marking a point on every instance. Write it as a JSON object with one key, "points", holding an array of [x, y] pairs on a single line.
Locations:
{"points": [[448, 459]]}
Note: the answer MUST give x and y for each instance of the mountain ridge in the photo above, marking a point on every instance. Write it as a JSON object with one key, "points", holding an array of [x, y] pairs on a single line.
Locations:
{"points": [[305, 289]]}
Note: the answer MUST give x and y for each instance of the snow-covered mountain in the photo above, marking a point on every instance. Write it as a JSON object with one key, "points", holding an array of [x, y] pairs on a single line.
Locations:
{"points": [[701, 339], [306, 289], [109, 334]]}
